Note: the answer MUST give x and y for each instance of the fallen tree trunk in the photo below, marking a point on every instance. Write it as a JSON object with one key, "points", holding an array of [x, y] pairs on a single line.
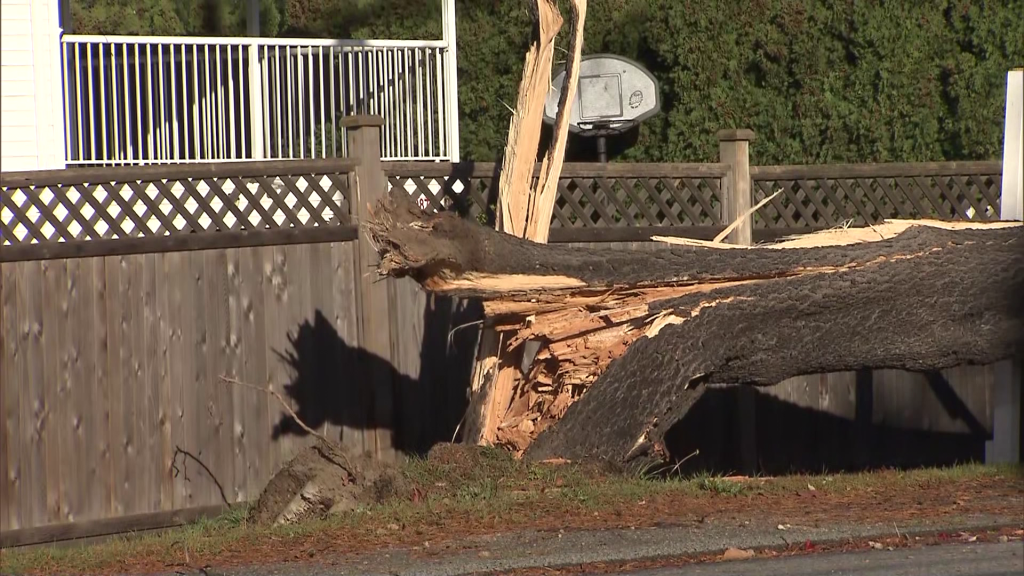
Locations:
{"points": [[643, 332]]}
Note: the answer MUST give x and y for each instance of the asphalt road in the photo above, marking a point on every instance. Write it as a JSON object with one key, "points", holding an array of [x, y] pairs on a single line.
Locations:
{"points": [[502, 553], [947, 560]]}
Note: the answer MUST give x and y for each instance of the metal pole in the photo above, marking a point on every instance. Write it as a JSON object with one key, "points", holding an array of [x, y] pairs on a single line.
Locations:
{"points": [[252, 18], [602, 149]]}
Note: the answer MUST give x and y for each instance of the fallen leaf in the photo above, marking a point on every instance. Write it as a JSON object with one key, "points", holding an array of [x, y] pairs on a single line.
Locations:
{"points": [[737, 554], [783, 527], [811, 488], [875, 545]]}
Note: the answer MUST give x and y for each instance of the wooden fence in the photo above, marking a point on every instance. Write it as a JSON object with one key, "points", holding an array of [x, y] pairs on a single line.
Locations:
{"points": [[127, 294]]}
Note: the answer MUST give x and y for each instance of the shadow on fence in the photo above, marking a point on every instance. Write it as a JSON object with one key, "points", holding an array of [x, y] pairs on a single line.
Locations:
{"points": [[332, 383], [797, 439]]}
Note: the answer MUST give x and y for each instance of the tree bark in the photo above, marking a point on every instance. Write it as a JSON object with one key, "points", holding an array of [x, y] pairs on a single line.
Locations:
{"points": [[642, 332]]}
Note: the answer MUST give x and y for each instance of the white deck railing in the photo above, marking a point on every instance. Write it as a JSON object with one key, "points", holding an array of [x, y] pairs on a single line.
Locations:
{"points": [[148, 100]]}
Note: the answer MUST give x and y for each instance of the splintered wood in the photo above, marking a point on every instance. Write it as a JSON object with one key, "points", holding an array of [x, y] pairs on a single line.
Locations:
{"points": [[578, 339]]}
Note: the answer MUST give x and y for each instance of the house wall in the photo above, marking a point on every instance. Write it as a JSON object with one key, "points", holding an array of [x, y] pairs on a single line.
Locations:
{"points": [[31, 91]]}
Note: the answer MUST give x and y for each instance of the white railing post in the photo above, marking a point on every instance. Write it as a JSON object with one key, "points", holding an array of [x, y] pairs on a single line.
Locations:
{"points": [[256, 102], [451, 79], [1007, 401]]}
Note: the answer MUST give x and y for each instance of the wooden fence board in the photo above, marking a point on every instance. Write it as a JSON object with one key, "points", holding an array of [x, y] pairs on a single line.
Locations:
{"points": [[33, 396], [79, 375], [343, 274], [256, 424], [165, 414], [52, 341], [133, 367], [277, 293], [11, 357]]}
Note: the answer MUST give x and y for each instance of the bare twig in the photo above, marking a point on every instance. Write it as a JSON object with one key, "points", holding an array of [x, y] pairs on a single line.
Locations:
{"points": [[680, 463], [291, 412], [721, 235]]}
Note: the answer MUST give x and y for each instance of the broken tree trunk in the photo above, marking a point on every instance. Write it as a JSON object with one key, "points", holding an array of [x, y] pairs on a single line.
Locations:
{"points": [[642, 332], [525, 125], [524, 210]]}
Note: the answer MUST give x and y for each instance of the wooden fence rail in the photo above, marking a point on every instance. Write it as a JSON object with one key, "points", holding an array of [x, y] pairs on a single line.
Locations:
{"points": [[126, 294]]}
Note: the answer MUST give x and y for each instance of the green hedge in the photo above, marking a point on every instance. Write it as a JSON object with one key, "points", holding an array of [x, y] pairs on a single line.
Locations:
{"points": [[817, 80]]}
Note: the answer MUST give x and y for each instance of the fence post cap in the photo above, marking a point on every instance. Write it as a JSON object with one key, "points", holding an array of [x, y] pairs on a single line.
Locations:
{"points": [[362, 121], [735, 135]]}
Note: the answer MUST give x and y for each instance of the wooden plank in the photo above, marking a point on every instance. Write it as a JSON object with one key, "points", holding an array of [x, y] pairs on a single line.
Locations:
{"points": [[320, 309], [107, 526], [193, 374], [277, 290], [409, 305], [299, 325], [54, 289], [244, 169], [117, 434], [133, 338], [181, 321], [194, 452], [89, 365], [12, 356], [160, 365], [234, 351], [81, 332], [345, 284], [19, 251], [217, 449], [148, 392], [886, 170], [256, 424], [100, 465]]}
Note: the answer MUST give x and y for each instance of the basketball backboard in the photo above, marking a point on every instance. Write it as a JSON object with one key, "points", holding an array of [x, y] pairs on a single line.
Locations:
{"points": [[613, 95]]}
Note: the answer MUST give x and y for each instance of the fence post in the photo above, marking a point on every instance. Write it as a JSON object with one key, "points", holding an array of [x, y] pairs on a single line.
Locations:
{"points": [[734, 150], [373, 323]]}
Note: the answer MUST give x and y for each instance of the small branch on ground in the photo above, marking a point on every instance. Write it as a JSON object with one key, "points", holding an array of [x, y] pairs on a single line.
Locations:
{"points": [[291, 412]]}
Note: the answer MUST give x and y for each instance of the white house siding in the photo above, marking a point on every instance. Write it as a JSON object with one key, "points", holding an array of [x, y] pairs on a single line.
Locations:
{"points": [[31, 90]]}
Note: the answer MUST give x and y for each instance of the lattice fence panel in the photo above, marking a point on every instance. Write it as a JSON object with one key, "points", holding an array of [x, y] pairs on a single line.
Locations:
{"points": [[135, 209], [468, 196], [583, 202], [828, 202], [642, 201]]}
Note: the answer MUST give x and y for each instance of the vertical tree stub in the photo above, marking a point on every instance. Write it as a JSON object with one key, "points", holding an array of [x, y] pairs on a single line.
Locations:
{"points": [[734, 150], [368, 185], [1007, 443]]}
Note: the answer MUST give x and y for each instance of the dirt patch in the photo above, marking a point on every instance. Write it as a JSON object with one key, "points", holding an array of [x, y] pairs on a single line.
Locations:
{"points": [[320, 480]]}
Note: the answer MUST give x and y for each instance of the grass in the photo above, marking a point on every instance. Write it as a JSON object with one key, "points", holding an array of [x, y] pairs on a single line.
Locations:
{"points": [[479, 491]]}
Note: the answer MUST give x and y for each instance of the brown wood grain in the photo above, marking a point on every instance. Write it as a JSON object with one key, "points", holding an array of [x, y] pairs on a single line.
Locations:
{"points": [[11, 384], [256, 423], [163, 429], [79, 398], [343, 275], [54, 358]]}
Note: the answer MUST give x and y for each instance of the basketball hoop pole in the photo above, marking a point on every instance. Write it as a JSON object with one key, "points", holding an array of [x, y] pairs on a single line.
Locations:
{"points": [[602, 149]]}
